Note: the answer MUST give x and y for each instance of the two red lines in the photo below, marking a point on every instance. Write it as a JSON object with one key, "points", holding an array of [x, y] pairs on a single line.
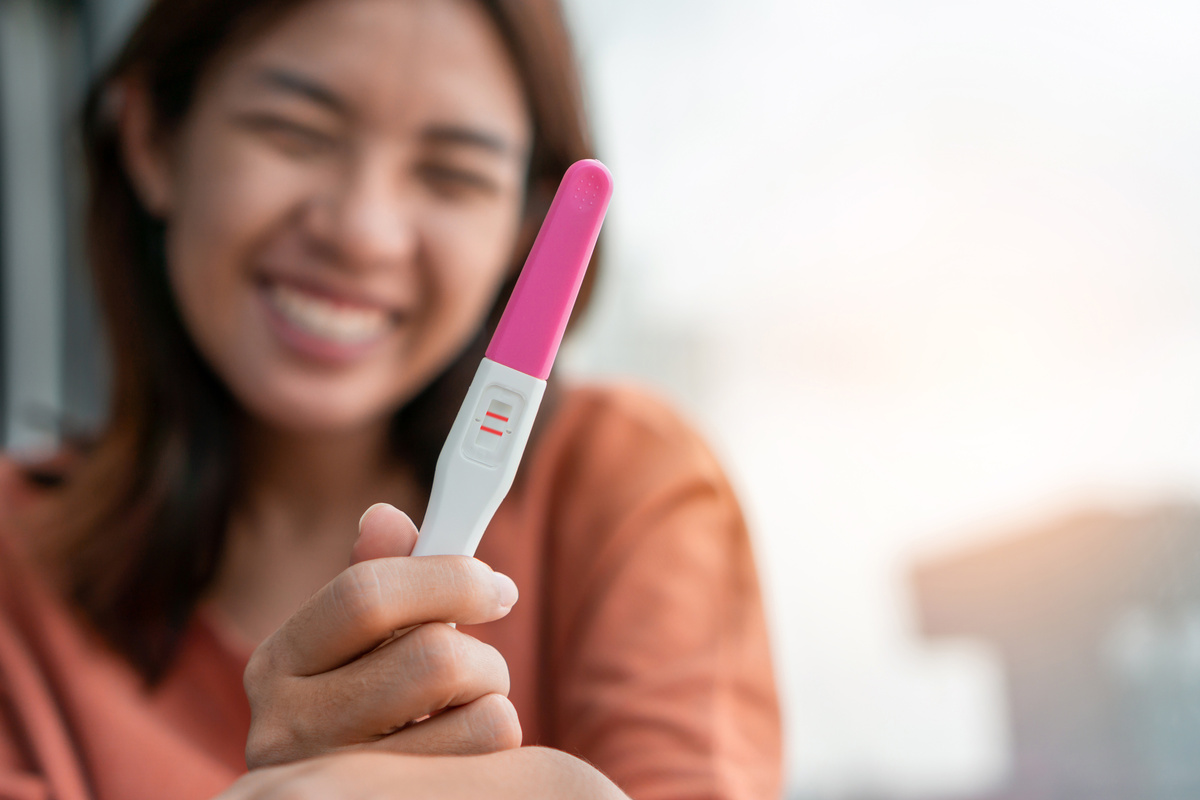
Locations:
{"points": [[493, 430]]}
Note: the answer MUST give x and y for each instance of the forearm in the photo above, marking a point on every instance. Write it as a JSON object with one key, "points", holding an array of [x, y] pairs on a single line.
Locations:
{"points": [[526, 773]]}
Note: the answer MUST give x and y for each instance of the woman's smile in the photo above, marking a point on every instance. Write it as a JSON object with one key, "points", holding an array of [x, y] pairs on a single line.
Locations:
{"points": [[322, 326]]}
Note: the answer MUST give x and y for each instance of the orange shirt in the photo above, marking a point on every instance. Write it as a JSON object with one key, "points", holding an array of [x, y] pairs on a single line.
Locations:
{"points": [[638, 644]]}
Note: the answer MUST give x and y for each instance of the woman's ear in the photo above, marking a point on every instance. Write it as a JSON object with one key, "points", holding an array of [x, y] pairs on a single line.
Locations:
{"points": [[143, 147]]}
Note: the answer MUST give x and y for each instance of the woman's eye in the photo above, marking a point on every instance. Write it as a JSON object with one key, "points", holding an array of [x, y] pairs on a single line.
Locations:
{"points": [[455, 182], [291, 138]]}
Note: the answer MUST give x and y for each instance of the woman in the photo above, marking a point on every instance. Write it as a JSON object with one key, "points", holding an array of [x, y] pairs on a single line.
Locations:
{"points": [[304, 217]]}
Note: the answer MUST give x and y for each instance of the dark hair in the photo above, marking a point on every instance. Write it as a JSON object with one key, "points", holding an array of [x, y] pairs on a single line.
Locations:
{"points": [[143, 514]]}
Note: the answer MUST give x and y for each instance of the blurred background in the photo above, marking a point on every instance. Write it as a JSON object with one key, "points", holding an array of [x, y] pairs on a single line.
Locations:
{"points": [[927, 274]]}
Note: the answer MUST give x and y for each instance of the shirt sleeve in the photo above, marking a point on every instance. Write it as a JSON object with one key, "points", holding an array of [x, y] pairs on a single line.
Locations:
{"points": [[664, 672], [18, 781], [36, 755]]}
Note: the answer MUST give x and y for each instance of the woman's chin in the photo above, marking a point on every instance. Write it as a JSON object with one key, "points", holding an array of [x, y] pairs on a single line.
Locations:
{"points": [[314, 412]]}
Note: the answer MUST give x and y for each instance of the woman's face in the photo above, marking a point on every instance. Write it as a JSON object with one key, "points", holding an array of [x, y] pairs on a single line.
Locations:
{"points": [[342, 203]]}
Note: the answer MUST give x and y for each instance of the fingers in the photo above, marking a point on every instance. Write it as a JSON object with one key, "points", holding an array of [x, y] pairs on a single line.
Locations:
{"points": [[429, 669], [486, 725], [383, 532], [434, 667], [366, 602], [334, 677]]}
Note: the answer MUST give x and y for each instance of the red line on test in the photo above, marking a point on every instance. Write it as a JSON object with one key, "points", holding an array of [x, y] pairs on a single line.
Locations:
{"points": [[490, 430], [497, 416]]}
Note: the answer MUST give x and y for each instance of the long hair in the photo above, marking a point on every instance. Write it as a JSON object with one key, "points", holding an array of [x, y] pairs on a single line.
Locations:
{"points": [[141, 518]]}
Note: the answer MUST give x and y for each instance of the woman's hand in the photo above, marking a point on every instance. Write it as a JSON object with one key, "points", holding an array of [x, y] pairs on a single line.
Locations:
{"points": [[527, 773], [332, 677]]}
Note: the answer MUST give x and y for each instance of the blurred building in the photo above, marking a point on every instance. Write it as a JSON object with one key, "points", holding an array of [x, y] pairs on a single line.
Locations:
{"points": [[1097, 619], [50, 372]]}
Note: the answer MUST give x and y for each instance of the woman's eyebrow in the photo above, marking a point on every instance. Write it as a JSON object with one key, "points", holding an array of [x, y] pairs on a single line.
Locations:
{"points": [[295, 83], [471, 137]]}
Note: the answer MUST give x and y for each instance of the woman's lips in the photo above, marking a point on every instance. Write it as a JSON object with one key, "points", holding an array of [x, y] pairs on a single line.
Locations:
{"points": [[323, 328]]}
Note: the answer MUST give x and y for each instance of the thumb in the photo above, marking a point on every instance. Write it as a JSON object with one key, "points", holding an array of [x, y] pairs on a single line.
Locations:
{"points": [[383, 532]]}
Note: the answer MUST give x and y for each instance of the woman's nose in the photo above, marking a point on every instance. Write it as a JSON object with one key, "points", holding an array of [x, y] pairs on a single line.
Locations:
{"points": [[370, 219]]}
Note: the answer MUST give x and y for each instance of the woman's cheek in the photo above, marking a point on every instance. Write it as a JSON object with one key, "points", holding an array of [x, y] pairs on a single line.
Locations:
{"points": [[477, 238], [248, 201], [469, 273], [223, 213]]}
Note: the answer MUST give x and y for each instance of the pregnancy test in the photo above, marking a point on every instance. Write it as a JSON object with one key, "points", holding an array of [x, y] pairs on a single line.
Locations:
{"points": [[480, 457]]}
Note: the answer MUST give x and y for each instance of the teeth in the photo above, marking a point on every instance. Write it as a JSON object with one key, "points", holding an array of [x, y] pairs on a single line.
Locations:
{"points": [[326, 320]]}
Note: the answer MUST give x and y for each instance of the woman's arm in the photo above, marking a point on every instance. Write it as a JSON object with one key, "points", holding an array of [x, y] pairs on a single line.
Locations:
{"points": [[660, 649], [528, 773]]}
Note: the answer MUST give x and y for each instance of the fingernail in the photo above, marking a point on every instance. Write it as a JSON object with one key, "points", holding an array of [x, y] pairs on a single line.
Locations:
{"points": [[368, 512], [506, 590]]}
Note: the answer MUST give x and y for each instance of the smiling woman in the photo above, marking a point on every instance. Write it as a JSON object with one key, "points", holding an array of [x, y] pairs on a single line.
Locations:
{"points": [[341, 229], [304, 217]]}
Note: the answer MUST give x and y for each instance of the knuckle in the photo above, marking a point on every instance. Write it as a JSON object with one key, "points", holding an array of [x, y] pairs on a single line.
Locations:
{"points": [[257, 677], [358, 595], [277, 736], [437, 660], [264, 748], [482, 586], [499, 727], [470, 580], [501, 667]]}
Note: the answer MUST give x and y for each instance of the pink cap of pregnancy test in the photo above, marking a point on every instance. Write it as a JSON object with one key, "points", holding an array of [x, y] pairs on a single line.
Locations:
{"points": [[535, 318]]}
